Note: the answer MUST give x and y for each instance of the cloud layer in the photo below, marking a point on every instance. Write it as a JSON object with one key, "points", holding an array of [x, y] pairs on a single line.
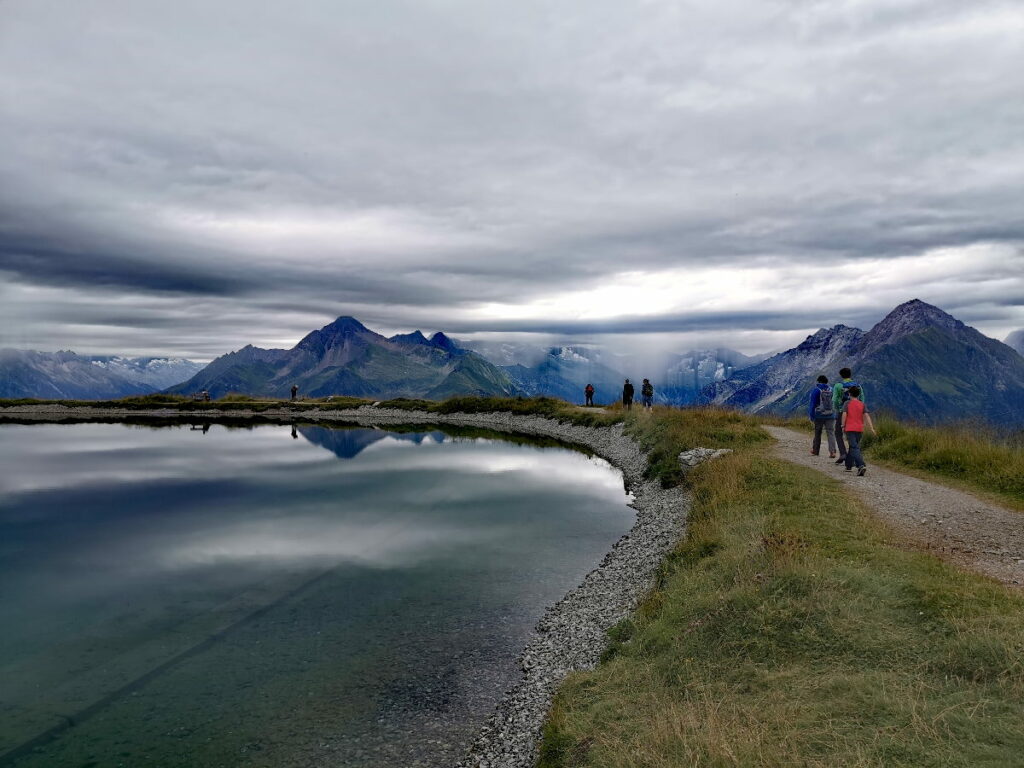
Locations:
{"points": [[190, 177]]}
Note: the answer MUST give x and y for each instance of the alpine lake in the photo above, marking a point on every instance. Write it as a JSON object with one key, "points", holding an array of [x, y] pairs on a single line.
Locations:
{"points": [[277, 595]]}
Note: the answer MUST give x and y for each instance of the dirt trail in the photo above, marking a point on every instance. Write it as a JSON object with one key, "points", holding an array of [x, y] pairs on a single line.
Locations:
{"points": [[953, 524]]}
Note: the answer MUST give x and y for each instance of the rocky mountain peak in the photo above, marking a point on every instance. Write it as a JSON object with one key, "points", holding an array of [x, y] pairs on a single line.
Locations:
{"points": [[443, 342], [344, 325], [332, 335], [836, 336], [911, 317], [416, 337]]}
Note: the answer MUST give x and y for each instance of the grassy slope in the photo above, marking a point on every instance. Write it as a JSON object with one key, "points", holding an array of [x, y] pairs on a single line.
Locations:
{"points": [[789, 628]]}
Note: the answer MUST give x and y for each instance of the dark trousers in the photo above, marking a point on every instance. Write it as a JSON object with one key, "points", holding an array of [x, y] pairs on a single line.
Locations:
{"points": [[853, 456], [839, 437], [590, 398]]}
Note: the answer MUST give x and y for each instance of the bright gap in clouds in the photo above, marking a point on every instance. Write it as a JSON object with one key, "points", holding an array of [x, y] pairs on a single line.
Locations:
{"points": [[946, 276]]}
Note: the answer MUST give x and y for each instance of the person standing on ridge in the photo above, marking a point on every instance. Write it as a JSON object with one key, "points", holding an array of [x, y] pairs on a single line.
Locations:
{"points": [[627, 395], [647, 393], [840, 394], [821, 412], [855, 416], [589, 394], [295, 391]]}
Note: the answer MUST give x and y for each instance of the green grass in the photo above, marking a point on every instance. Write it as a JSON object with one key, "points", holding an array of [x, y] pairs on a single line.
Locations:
{"points": [[789, 628], [665, 432]]}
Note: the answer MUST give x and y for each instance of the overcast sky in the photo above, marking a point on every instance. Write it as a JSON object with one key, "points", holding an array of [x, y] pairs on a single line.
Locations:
{"points": [[189, 177]]}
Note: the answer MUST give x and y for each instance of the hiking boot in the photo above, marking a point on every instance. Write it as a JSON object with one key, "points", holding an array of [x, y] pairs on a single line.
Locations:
{"points": [[832, 455], [862, 471], [814, 453], [840, 460], [848, 469]]}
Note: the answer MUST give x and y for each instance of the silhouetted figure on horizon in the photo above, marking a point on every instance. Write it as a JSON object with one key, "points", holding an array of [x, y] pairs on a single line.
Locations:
{"points": [[295, 391], [589, 393], [647, 393], [627, 395]]}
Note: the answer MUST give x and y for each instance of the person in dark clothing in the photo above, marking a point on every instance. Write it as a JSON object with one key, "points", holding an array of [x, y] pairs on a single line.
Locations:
{"points": [[589, 393], [647, 393], [627, 395], [820, 411], [295, 391]]}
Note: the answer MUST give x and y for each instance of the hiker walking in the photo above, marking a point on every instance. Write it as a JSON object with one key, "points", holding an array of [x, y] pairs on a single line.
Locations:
{"points": [[295, 391], [855, 416], [840, 394], [588, 392], [627, 395], [821, 412], [647, 393]]}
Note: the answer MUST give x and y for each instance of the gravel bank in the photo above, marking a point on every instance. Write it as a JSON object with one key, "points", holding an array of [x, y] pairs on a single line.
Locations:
{"points": [[572, 633]]}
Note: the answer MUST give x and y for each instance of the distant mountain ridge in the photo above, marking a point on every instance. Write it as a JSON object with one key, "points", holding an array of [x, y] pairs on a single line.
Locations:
{"points": [[66, 375], [688, 374], [1016, 341], [347, 358], [563, 371], [918, 362]]}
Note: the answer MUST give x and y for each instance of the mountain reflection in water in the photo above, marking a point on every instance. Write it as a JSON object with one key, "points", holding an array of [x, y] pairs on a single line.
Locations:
{"points": [[240, 597]]}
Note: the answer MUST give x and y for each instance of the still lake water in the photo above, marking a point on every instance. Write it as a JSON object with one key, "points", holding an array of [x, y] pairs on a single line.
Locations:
{"points": [[276, 596]]}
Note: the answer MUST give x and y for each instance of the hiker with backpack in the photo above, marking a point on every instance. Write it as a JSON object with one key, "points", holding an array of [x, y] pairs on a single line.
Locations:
{"points": [[840, 394], [821, 412], [855, 416], [588, 393], [647, 394]]}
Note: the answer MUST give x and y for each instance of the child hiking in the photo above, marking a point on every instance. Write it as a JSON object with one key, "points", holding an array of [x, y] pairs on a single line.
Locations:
{"points": [[821, 412], [855, 416]]}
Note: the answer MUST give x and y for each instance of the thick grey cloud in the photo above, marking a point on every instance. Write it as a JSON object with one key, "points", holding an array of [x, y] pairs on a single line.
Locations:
{"points": [[188, 177]]}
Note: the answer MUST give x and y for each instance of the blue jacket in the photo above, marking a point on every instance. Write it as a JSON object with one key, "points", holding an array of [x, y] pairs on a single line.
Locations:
{"points": [[813, 400]]}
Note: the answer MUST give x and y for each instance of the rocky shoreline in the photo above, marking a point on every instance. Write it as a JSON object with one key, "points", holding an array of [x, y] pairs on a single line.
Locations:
{"points": [[572, 634]]}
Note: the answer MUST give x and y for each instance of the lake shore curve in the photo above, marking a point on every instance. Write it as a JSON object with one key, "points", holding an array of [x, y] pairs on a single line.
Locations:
{"points": [[572, 634]]}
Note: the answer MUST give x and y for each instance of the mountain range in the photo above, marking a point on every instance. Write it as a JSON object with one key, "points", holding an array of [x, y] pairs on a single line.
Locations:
{"points": [[565, 370], [65, 375], [918, 363], [347, 358]]}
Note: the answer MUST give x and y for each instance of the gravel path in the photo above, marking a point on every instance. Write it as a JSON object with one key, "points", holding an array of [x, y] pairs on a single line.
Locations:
{"points": [[571, 635], [955, 525]]}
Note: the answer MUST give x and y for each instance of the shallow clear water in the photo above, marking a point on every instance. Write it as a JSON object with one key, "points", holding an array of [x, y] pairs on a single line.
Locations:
{"points": [[276, 596]]}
